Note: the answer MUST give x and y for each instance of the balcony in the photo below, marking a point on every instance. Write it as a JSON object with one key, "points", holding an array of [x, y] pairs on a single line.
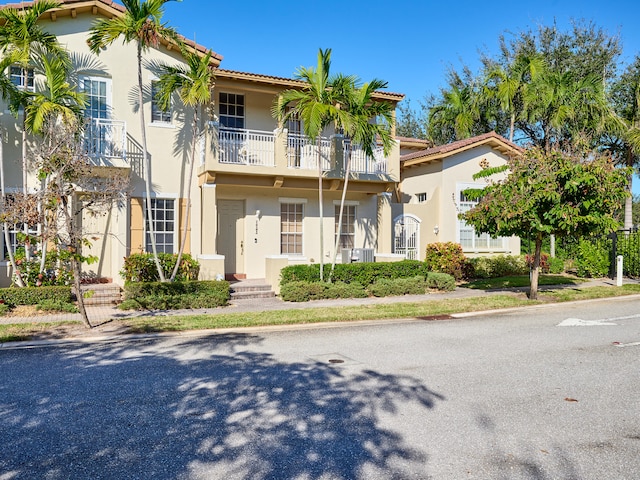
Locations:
{"points": [[106, 142], [279, 158]]}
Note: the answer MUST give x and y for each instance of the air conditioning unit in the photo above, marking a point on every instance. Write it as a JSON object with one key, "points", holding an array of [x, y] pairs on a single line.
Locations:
{"points": [[359, 255]]}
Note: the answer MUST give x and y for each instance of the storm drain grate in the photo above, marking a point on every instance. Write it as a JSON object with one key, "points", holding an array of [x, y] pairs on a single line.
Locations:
{"points": [[435, 317]]}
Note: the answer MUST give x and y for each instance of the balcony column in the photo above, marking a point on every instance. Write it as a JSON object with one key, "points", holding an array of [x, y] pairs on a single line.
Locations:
{"points": [[337, 154], [211, 264], [280, 136], [385, 224]]}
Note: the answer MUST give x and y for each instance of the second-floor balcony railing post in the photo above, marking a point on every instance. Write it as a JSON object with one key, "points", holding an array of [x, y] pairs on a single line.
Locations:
{"points": [[303, 153], [246, 147], [106, 140], [360, 162]]}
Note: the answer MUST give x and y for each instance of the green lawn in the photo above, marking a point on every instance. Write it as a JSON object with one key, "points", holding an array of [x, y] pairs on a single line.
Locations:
{"points": [[429, 308], [521, 281]]}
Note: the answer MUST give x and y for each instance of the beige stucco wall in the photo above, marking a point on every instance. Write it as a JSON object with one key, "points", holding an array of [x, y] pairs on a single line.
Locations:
{"points": [[441, 181], [262, 236]]}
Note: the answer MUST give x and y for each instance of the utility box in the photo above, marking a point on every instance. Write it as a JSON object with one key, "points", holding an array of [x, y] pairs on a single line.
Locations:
{"points": [[357, 255]]}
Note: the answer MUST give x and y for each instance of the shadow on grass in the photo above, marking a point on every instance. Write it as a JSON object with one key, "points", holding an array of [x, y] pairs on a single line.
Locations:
{"points": [[215, 407]]}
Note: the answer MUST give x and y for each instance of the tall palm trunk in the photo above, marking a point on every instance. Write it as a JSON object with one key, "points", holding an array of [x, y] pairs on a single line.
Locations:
{"points": [[320, 210], [628, 203], [185, 223], [147, 168], [25, 189], [5, 225], [347, 169]]}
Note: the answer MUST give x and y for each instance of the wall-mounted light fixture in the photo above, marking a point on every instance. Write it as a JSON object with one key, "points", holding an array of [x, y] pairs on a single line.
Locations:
{"points": [[436, 229]]}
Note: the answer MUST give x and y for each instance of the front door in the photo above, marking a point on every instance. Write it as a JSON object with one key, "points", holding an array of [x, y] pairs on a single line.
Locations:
{"points": [[231, 235]]}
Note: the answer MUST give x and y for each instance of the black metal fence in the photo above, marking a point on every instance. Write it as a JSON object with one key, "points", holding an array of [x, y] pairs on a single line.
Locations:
{"points": [[627, 244]]}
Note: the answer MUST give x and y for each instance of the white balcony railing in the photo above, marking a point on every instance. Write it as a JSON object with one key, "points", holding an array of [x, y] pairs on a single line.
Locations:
{"points": [[106, 140], [361, 162], [246, 147], [303, 154]]}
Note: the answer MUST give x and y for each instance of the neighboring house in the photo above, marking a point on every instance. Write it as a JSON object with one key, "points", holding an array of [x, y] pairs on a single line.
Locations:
{"points": [[255, 195], [431, 196]]}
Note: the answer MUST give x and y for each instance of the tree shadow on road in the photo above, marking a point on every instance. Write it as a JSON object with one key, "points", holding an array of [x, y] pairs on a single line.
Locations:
{"points": [[217, 407]]}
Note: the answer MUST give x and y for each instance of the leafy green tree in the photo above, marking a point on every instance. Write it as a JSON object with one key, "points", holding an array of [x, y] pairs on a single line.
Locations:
{"points": [[140, 23], [317, 105], [193, 83], [549, 192], [411, 123]]}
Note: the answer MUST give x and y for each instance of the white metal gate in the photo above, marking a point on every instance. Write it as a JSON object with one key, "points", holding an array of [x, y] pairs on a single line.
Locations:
{"points": [[406, 239]]}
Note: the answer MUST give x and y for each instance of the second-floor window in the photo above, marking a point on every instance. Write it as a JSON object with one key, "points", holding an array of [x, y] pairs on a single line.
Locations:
{"points": [[231, 110], [158, 114], [22, 77]]}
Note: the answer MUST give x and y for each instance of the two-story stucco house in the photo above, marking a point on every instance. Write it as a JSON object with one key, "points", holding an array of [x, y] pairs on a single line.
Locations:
{"points": [[255, 196]]}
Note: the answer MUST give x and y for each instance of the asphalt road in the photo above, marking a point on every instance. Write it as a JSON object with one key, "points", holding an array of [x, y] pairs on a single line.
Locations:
{"points": [[507, 396]]}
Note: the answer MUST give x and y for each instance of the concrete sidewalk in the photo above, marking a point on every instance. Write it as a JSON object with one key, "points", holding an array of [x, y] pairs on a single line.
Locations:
{"points": [[105, 313]]}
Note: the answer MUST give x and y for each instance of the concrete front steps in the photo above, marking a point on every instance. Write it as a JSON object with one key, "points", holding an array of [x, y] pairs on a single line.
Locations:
{"points": [[101, 294], [252, 288]]}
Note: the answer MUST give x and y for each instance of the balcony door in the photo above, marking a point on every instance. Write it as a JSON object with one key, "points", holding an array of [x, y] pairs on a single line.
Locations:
{"points": [[98, 94]]}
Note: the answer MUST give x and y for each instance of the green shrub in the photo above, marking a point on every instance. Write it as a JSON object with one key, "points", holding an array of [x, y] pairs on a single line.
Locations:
{"points": [[301, 291], [175, 295], [344, 290], [384, 287], [140, 267], [499, 266], [57, 306], [556, 265], [593, 259], [35, 295], [447, 258], [4, 309], [441, 281], [362, 273]]}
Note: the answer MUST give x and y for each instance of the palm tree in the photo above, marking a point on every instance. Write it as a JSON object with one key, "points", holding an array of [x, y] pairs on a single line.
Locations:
{"points": [[456, 115], [193, 83], [369, 123], [21, 40], [317, 105], [509, 84], [140, 23], [624, 138]]}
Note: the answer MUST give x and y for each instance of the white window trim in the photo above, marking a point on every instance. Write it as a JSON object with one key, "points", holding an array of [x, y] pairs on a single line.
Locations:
{"points": [[176, 219], [155, 123], [295, 201], [460, 187]]}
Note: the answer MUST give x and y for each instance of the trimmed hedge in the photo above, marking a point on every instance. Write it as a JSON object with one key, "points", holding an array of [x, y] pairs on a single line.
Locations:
{"points": [[140, 267], [175, 295], [35, 295], [499, 266], [384, 287], [441, 281], [447, 257], [303, 291], [362, 273]]}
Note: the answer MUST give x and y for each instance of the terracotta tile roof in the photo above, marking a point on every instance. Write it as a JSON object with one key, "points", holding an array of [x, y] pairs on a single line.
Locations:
{"points": [[441, 151], [289, 82], [108, 7]]}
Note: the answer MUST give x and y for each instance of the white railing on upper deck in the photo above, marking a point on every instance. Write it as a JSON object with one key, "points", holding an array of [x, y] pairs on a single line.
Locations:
{"points": [[303, 153], [246, 147], [361, 162], [105, 140]]}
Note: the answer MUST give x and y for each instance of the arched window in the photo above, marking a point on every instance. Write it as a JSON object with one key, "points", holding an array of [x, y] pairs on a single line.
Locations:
{"points": [[406, 236]]}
